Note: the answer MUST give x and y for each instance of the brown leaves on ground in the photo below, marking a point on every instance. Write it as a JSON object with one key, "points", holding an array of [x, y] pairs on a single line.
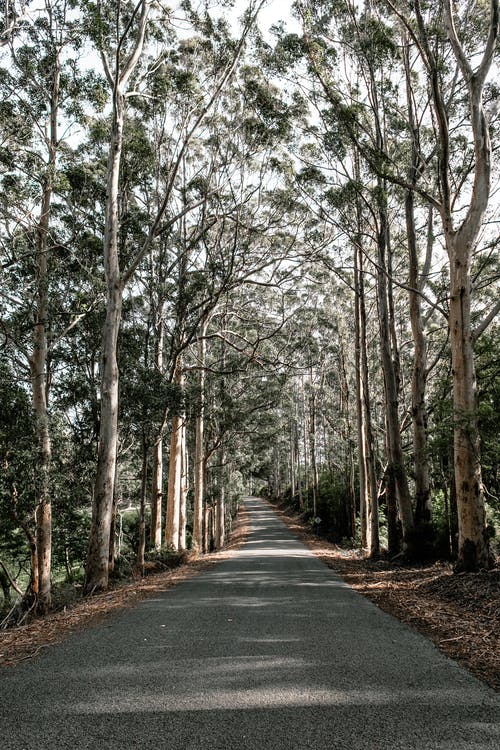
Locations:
{"points": [[460, 613], [27, 641]]}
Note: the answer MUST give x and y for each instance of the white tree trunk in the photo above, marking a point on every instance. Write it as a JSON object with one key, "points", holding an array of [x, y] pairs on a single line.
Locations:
{"points": [[472, 541], [183, 488], [97, 567], [396, 465], [157, 468], [220, 514], [199, 462], [41, 584]]}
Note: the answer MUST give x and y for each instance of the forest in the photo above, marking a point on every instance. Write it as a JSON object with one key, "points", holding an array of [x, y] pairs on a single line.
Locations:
{"points": [[243, 256]]}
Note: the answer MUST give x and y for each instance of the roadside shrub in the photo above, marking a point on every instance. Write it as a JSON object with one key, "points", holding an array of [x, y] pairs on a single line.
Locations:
{"points": [[165, 558]]}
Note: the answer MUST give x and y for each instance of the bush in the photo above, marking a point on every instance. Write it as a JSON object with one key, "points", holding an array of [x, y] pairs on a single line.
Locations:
{"points": [[165, 558]]}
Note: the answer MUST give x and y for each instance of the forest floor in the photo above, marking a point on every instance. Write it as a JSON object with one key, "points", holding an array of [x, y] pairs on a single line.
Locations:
{"points": [[27, 641], [459, 613]]}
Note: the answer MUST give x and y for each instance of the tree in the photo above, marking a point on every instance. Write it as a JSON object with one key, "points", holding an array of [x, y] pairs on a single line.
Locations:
{"points": [[460, 241], [128, 42]]}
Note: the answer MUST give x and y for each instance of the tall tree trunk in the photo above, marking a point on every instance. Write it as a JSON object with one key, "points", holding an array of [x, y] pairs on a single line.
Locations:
{"points": [[361, 432], [97, 566], [473, 547], [472, 541], [372, 520], [155, 536], [423, 508], [396, 465], [199, 462], [175, 471], [141, 548], [96, 576], [305, 421], [312, 444], [206, 528], [114, 533], [157, 468], [183, 488], [297, 454], [97, 559], [220, 510], [292, 461], [41, 585]]}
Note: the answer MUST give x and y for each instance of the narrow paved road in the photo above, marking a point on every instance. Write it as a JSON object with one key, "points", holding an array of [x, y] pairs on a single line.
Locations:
{"points": [[268, 649]]}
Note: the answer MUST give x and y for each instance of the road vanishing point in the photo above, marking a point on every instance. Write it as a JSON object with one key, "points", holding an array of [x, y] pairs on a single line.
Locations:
{"points": [[268, 649]]}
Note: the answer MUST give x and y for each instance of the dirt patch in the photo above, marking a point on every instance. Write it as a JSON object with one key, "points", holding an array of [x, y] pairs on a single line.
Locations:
{"points": [[460, 613], [27, 641]]}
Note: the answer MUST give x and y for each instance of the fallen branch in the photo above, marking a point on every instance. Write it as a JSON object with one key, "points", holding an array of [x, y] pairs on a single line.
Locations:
{"points": [[11, 580]]}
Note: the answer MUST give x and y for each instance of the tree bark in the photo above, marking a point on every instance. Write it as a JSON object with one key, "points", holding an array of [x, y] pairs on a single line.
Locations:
{"points": [[372, 520], [157, 468], [141, 548], [175, 471], [473, 547], [39, 379], [423, 507], [363, 485], [183, 488], [220, 509], [199, 462], [97, 567], [396, 465], [312, 445]]}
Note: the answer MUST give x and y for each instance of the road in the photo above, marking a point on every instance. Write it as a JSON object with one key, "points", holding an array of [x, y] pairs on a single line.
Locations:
{"points": [[267, 649]]}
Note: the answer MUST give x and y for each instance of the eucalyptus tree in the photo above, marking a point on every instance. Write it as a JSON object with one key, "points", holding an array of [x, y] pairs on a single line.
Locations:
{"points": [[120, 35], [367, 35], [41, 79], [473, 56]]}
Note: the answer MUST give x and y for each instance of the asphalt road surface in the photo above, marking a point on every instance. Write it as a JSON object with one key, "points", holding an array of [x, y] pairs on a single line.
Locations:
{"points": [[268, 649]]}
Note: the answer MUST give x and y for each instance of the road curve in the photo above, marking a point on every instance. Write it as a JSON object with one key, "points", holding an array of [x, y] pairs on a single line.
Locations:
{"points": [[268, 649]]}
